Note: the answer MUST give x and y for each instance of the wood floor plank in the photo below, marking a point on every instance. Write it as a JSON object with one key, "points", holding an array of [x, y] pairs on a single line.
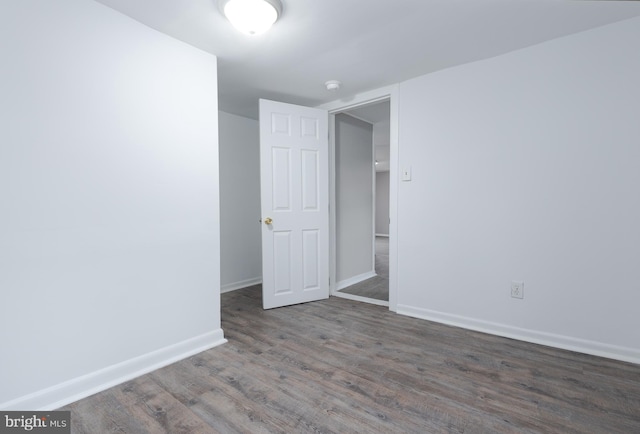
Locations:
{"points": [[342, 388], [229, 391], [325, 354], [340, 366], [138, 406], [102, 413]]}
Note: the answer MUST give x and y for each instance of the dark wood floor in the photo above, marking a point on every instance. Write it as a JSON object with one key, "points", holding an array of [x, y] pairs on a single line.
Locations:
{"points": [[339, 366]]}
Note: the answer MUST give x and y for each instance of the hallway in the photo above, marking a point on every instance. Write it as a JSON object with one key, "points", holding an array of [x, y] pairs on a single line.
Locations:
{"points": [[376, 287]]}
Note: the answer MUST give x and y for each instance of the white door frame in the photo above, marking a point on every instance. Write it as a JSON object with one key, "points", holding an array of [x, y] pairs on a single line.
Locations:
{"points": [[386, 93]]}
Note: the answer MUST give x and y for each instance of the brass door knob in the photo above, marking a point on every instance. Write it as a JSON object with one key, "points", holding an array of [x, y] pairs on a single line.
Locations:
{"points": [[268, 221]]}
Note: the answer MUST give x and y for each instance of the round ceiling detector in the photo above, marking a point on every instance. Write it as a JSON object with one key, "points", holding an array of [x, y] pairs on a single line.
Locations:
{"points": [[251, 16], [333, 85]]}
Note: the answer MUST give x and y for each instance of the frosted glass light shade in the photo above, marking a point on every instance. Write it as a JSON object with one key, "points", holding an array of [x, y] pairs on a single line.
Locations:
{"points": [[252, 16]]}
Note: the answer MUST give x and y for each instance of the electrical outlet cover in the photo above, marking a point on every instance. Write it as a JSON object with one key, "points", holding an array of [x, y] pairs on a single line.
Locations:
{"points": [[517, 289]]}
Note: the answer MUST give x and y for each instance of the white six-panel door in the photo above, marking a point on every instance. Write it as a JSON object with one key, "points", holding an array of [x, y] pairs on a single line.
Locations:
{"points": [[294, 173]]}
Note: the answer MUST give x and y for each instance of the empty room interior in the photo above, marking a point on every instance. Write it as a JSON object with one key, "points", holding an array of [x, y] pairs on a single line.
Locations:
{"points": [[358, 216]]}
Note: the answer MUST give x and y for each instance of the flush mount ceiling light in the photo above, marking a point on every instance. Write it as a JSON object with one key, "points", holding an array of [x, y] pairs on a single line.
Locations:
{"points": [[251, 16]]}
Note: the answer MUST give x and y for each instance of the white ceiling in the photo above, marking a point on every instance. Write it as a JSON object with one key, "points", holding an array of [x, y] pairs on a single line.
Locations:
{"points": [[373, 113], [366, 44]]}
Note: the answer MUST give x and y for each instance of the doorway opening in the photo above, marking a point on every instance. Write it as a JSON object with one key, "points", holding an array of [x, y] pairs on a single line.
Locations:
{"points": [[361, 189]]}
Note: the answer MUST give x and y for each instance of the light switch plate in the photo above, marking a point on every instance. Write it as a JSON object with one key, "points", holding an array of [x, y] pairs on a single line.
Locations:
{"points": [[406, 174]]}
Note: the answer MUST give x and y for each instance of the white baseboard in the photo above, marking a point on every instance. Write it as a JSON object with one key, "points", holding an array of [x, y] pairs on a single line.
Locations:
{"points": [[362, 299], [615, 352], [355, 279], [81, 387], [228, 287], [382, 235]]}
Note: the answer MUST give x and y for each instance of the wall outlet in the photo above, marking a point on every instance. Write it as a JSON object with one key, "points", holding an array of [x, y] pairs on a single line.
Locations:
{"points": [[517, 289]]}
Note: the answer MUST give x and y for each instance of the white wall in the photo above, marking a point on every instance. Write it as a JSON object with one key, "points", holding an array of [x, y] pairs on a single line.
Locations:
{"points": [[109, 228], [382, 203], [240, 242], [526, 167], [381, 144], [354, 200]]}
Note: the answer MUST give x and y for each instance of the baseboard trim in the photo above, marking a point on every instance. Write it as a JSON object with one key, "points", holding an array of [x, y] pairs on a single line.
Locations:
{"points": [[362, 299], [382, 235], [228, 287], [593, 348], [81, 387], [355, 279]]}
